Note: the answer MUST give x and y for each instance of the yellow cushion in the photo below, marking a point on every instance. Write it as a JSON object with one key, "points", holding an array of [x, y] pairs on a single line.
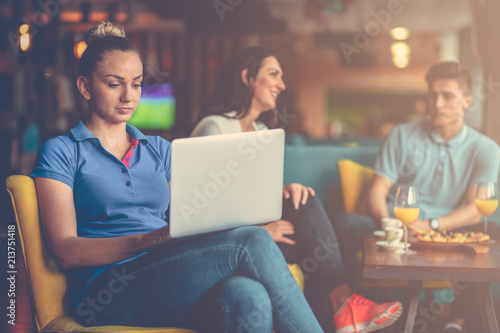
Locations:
{"points": [[355, 181], [67, 324], [298, 274], [47, 283]]}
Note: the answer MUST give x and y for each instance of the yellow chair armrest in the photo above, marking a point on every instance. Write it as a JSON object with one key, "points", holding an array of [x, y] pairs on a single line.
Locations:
{"points": [[68, 324]]}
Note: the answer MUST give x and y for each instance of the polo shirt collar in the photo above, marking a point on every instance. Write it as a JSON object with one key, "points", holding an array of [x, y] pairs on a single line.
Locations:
{"points": [[80, 132], [456, 140], [136, 134]]}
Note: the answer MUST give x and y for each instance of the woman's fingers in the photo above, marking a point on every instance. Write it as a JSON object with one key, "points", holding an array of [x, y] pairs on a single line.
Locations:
{"points": [[299, 194], [279, 229]]}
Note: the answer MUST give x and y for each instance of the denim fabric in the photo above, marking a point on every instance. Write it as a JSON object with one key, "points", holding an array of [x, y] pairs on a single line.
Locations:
{"points": [[164, 288]]}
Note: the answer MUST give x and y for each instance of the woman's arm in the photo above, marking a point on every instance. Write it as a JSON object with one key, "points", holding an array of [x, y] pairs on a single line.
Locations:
{"points": [[58, 216]]}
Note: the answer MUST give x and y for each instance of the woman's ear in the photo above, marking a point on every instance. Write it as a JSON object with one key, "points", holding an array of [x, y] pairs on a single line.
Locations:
{"points": [[83, 87], [244, 74]]}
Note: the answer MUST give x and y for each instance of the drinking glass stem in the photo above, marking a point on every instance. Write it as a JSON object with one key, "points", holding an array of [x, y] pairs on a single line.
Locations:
{"points": [[485, 224], [406, 239]]}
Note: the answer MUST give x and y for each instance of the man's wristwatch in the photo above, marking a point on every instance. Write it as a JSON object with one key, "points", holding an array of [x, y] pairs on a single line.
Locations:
{"points": [[435, 224]]}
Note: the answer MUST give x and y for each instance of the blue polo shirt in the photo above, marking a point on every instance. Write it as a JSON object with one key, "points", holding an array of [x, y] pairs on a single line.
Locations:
{"points": [[110, 198], [413, 154]]}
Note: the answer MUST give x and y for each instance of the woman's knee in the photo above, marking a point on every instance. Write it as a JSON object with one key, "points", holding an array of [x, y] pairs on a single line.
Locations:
{"points": [[251, 236], [313, 203], [246, 303]]}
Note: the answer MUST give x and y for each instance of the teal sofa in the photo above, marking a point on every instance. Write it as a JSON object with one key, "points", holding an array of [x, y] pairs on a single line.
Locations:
{"points": [[315, 165]]}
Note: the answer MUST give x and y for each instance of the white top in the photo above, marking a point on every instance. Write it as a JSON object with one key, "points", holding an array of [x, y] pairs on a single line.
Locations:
{"points": [[217, 124]]}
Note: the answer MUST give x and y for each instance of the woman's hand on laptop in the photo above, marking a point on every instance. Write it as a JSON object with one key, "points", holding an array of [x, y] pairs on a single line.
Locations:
{"points": [[278, 231], [298, 192]]}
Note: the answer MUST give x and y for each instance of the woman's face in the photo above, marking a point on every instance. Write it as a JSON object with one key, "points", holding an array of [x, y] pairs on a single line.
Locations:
{"points": [[115, 88], [267, 85]]}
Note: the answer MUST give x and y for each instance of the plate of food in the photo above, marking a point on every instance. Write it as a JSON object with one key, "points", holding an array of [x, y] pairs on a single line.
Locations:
{"points": [[447, 240]]}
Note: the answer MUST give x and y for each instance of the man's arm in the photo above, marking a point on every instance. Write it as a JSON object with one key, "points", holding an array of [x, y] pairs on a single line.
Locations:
{"points": [[461, 217], [377, 197]]}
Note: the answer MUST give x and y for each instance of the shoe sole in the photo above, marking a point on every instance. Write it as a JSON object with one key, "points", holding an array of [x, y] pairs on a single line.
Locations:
{"points": [[372, 325]]}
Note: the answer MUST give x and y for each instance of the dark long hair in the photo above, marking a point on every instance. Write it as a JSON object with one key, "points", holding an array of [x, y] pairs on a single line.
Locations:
{"points": [[230, 93]]}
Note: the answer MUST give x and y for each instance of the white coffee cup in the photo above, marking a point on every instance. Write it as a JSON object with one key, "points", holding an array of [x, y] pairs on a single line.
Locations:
{"points": [[389, 222], [393, 235]]}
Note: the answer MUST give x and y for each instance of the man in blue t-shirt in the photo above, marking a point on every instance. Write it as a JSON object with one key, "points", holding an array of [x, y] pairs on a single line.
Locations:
{"points": [[444, 158]]}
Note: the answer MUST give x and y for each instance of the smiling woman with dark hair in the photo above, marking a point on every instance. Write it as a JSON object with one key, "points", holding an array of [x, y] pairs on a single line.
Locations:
{"points": [[246, 91]]}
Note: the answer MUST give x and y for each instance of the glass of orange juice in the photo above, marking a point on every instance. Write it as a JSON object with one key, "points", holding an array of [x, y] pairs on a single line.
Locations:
{"points": [[406, 209], [486, 200]]}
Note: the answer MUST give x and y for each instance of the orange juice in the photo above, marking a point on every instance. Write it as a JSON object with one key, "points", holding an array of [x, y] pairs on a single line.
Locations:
{"points": [[406, 215], [486, 206]]}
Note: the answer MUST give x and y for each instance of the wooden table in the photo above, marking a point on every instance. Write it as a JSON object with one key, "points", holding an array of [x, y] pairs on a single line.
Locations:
{"points": [[482, 269]]}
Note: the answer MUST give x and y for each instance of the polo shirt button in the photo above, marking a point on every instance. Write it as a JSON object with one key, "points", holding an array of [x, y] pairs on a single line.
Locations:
{"points": [[127, 183], [123, 170], [443, 153], [128, 159]]}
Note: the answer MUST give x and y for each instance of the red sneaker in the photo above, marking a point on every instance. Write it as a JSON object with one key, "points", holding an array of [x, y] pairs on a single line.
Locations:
{"points": [[361, 315]]}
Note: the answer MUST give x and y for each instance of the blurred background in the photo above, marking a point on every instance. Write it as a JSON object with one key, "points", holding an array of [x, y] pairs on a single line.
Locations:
{"points": [[353, 68]]}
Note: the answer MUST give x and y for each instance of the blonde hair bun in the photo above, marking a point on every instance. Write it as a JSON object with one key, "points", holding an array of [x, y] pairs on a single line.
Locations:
{"points": [[104, 29]]}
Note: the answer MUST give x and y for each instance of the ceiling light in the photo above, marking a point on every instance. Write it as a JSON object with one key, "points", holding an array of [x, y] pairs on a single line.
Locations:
{"points": [[400, 49], [400, 33], [79, 48], [23, 29], [25, 42], [401, 61]]}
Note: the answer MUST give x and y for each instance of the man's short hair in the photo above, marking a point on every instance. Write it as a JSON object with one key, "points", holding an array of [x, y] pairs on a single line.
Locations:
{"points": [[451, 70]]}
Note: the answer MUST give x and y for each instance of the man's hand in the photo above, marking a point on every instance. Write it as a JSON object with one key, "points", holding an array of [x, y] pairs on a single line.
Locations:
{"points": [[298, 192], [279, 229], [420, 225]]}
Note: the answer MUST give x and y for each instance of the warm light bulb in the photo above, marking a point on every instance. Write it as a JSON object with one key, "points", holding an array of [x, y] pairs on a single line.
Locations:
{"points": [[400, 33], [23, 29], [400, 49], [24, 42], [401, 61], [79, 48]]}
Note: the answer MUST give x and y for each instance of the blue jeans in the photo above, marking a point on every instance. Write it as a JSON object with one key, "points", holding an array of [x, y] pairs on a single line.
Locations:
{"points": [[317, 252], [242, 270]]}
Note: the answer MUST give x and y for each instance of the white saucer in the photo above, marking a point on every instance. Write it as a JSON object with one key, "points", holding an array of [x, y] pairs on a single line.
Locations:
{"points": [[379, 234], [385, 246]]}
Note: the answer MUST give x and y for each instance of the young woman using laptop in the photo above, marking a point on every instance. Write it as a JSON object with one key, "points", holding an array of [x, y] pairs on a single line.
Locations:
{"points": [[103, 190], [247, 89]]}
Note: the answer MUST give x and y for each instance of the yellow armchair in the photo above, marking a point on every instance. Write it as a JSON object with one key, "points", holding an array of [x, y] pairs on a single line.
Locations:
{"points": [[46, 283]]}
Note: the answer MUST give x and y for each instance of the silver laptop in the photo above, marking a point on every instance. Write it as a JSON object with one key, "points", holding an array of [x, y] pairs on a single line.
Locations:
{"points": [[226, 181]]}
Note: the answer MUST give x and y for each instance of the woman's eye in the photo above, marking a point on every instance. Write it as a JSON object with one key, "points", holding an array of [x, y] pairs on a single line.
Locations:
{"points": [[137, 86], [113, 85]]}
